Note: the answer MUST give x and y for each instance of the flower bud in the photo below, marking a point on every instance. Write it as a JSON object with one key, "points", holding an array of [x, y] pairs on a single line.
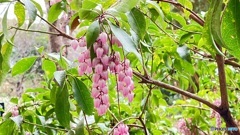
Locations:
{"points": [[74, 44], [95, 92], [99, 52], [97, 102], [96, 78], [82, 42], [103, 37], [98, 68], [105, 60]]}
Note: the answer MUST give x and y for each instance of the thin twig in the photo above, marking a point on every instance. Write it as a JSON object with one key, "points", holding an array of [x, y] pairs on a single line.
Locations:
{"points": [[174, 25], [161, 28], [28, 30], [57, 129], [61, 33], [89, 131], [192, 106], [144, 126], [120, 123], [193, 15], [135, 125], [113, 115], [145, 104], [176, 89]]}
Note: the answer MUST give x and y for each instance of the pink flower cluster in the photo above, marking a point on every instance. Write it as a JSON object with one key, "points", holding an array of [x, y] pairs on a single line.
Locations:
{"points": [[101, 64], [100, 76], [121, 130], [182, 127], [15, 111], [85, 65], [124, 74], [216, 114]]}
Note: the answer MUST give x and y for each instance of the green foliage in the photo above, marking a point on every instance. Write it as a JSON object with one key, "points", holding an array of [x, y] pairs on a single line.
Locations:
{"points": [[49, 68], [137, 22], [19, 11], [32, 11], [125, 5], [82, 96], [54, 11], [126, 40], [4, 23], [231, 26], [60, 77], [8, 127], [92, 33], [23, 65], [6, 50], [62, 106]]}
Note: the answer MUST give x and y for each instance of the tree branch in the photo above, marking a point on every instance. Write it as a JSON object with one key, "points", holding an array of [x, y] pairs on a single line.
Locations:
{"points": [[175, 89], [222, 81], [61, 33], [45, 126], [38, 31], [179, 6]]}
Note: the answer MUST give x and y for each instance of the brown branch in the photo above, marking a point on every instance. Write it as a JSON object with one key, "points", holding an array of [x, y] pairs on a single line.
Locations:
{"points": [[175, 89], [179, 6], [229, 61], [222, 81], [38, 31], [232, 63], [61, 33], [144, 126]]}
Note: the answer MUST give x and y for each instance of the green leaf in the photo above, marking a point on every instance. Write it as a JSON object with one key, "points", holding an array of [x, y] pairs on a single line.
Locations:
{"points": [[19, 11], [187, 4], [125, 40], [6, 51], [32, 11], [62, 106], [231, 27], [137, 22], [14, 100], [125, 5], [7, 127], [1, 1], [62, 61], [87, 14], [155, 5], [92, 33], [82, 96], [76, 4], [60, 77], [4, 23], [23, 65], [178, 18], [54, 11], [49, 68], [87, 4], [38, 6], [216, 22]]}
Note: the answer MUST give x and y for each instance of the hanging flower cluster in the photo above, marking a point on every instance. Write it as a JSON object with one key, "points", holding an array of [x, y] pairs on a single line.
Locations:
{"points": [[182, 127], [121, 129], [15, 111], [100, 66], [216, 114]]}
